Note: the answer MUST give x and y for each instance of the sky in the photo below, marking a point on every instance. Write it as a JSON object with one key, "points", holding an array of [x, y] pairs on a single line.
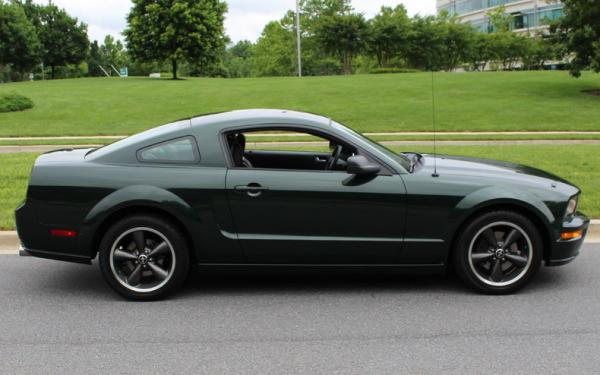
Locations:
{"points": [[245, 19]]}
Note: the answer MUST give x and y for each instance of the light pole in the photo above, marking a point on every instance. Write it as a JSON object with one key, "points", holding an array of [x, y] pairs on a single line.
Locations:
{"points": [[298, 42]]}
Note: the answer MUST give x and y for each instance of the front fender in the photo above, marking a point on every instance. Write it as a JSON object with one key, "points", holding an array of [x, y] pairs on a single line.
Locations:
{"points": [[133, 196], [494, 195]]}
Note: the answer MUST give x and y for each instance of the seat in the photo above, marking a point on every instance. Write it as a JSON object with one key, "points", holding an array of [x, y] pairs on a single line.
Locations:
{"points": [[237, 146]]}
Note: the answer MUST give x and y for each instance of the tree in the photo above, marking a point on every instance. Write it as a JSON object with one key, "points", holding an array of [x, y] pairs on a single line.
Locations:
{"points": [[509, 47], [500, 21], [94, 60], [238, 59], [343, 36], [389, 32], [579, 31], [19, 44], [425, 44], [537, 51], [480, 51], [314, 60], [64, 40], [457, 38], [112, 52], [176, 30], [273, 53]]}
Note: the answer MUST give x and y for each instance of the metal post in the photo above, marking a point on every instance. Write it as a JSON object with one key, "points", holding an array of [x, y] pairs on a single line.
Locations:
{"points": [[298, 41]]}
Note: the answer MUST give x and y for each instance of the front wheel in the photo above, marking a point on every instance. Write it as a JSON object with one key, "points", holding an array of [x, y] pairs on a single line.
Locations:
{"points": [[498, 252], [144, 257]]}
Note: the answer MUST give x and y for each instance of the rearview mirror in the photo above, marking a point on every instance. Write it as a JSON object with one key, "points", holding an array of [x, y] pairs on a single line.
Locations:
{"points": [[360, 165]]}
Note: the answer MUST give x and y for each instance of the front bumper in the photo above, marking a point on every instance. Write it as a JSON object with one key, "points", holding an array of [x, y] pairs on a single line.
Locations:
{"points": [[565, 251]]}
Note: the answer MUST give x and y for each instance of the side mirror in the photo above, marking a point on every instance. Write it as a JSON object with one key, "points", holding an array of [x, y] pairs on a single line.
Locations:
{"points": [[359, 165]]}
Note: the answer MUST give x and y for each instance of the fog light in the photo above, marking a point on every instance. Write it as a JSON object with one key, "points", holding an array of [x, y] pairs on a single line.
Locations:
{"points": [[571, 235]]}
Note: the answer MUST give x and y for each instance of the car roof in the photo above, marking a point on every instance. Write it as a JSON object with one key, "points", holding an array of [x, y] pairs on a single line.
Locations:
{"points": [[261, 116], [211, 123]]}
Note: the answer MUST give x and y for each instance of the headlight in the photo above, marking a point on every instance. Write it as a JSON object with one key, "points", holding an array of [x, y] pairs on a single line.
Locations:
{"points": [[572, 205]]}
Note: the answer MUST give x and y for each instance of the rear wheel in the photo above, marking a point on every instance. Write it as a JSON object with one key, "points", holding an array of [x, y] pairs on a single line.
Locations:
{"points": [[498, 252], [144, 257]]}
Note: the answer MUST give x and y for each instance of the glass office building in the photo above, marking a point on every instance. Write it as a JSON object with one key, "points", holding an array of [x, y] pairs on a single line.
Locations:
{"points": [[528, 15]]}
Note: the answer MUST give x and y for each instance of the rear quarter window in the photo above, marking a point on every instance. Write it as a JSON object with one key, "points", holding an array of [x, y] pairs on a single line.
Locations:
{"points": [[176, 151]]}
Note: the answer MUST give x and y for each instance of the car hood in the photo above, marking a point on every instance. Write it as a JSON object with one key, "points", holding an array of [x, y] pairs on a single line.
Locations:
{"points": [[461, 165]]}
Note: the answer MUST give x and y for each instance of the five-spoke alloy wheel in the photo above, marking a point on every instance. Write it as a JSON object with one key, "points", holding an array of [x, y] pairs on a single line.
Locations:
{"points": [[144, 257], [498, 252]]}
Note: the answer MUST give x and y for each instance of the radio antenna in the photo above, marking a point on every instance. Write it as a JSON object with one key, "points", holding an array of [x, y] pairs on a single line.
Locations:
{"points": [[435, 172]]}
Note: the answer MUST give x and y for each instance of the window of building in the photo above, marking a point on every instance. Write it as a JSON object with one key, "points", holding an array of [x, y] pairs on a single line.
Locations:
{"points": [[520, 21]]}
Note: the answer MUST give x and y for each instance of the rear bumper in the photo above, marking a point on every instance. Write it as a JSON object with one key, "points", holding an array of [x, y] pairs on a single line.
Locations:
{"points": [[55, 256], [565, 251], [34, 236]]}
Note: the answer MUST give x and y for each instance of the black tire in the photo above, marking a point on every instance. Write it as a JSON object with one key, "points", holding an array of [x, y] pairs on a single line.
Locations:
{"points": [[140, 275], [491, 269]]}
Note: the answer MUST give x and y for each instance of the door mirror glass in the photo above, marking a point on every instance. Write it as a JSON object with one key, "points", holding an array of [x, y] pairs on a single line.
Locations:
{"points": [[360, 165]]}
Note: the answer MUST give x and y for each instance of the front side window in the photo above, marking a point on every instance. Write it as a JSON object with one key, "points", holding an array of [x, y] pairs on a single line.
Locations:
{"points": [[283, 149], [180, 150]]}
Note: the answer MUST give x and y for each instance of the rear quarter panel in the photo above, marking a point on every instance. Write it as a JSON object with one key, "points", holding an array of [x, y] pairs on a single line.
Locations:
{"points": [[80, 196]]}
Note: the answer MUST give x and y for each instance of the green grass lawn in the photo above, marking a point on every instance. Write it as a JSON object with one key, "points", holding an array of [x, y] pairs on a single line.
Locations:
{"points": [[490, 101], [577, 164], [14, 175]]}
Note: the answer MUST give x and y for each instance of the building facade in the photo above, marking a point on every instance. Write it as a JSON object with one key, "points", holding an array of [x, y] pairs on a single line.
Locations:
{"points": [[528, 15]]}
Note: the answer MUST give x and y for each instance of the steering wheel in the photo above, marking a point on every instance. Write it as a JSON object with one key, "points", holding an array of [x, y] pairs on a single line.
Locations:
{"points": [[333, 159]]}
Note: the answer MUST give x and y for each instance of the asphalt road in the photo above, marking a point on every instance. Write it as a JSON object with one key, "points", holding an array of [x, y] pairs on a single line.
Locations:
{"points": [[58, 318]]}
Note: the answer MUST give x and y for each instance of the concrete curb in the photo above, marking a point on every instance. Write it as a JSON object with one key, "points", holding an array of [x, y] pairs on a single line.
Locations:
{"points": [[9, 242]]}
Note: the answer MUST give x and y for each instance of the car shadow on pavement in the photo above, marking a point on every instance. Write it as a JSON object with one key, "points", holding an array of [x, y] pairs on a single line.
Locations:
{"points": [[305, 281], [244, 282], [86, 282]]}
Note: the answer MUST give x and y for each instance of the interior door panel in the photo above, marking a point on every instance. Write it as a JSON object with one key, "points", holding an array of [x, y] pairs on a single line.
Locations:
{"points": [[299, 160]]}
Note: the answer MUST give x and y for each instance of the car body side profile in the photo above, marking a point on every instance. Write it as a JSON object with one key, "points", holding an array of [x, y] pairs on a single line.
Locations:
{"points": [[198, 191]]}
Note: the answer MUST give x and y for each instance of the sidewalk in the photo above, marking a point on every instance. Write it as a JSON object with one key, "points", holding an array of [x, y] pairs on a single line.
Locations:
{"points": [[46, 148], [9, 242]]}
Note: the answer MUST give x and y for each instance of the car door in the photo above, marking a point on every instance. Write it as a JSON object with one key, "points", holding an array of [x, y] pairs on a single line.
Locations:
{"points": [[316, 217]]}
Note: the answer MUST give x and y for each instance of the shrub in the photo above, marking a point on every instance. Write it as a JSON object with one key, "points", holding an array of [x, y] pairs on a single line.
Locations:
{"points": [[14, 103]]}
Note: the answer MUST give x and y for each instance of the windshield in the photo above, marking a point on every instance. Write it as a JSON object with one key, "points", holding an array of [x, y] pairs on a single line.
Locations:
{"points": [[399, 158]]}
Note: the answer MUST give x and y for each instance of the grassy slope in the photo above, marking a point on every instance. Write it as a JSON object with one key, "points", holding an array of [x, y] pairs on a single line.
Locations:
{"points": [[369, 103], [14, 174], [577, 164]]}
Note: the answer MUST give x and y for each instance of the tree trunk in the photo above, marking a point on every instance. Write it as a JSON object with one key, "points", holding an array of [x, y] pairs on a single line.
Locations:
{"points": [[53, 75], [346, 65], [174, 62]]}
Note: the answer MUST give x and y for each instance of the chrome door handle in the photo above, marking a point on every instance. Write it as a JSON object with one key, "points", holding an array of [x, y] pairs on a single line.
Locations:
{"points": [[252, 190]]}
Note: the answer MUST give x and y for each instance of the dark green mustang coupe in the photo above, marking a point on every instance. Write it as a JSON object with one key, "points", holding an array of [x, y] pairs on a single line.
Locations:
{"points": [[210, 191]]}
